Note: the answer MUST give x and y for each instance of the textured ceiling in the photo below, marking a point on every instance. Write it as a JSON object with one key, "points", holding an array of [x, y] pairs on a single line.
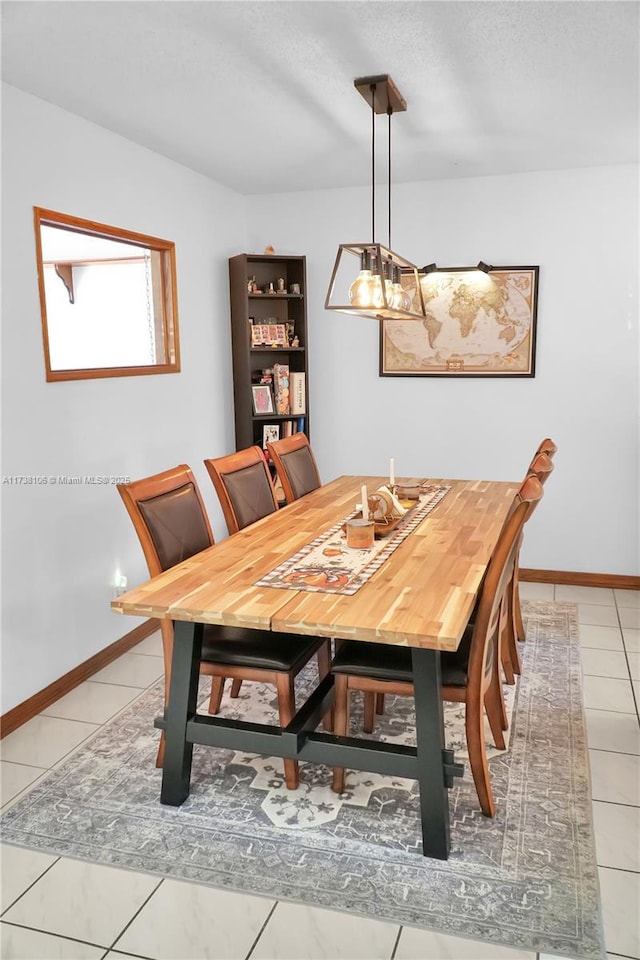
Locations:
{"points": [[259, 95]]}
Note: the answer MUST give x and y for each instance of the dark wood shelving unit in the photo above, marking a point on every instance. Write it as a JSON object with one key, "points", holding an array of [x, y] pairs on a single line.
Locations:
{"points": [[265, 308]]}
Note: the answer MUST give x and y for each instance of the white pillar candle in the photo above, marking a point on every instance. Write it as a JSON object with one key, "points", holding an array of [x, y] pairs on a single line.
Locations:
{"points": [[392, 472], [365, 502]]}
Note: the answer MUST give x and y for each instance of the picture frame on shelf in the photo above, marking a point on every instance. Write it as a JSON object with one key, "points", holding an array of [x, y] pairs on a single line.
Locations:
{"points": [[262, 398], [269, 335], [270, 433]]}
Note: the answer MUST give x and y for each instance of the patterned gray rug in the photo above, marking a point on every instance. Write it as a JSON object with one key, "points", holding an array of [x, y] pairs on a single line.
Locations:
{"points": [[526, 879]]}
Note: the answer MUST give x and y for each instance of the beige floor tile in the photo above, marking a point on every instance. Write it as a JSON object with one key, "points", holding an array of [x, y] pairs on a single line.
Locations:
{"points": [[19, 868], [83, 901], [620, 892], [573, 594], [93, 702], [627, 598], [20, 943], [43, 741], [150, 646], [631, 639], [634, 665], [606, 693], [131, 670], [15, 777], [536, 591], [629, 617], [604, 663], [216, 924], [113, 954], [615, 777], [297, 932], [600, 638], [614, 732], [617, 830], [597, 614], [417, 944]]}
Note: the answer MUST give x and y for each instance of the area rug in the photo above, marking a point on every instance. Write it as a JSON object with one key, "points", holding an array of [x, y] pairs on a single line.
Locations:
{"points": [[526, 878]]}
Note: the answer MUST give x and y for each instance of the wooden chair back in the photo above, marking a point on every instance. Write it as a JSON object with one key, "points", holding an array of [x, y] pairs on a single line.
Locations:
{"points": [[541, 466], [485, 641], [296, 466], [243, 484], [169, 517], [547, 446]]}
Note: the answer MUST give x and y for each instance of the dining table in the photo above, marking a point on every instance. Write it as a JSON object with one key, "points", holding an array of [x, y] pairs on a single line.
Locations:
{"points": [[421, 595]]}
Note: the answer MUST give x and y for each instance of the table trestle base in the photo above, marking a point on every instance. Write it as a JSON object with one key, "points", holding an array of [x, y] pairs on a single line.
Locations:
{"points": [[300, 741]]}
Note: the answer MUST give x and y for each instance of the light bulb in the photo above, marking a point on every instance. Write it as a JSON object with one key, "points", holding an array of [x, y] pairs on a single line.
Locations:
{"points": [[360, 291], [365, 292], [401, 299]]}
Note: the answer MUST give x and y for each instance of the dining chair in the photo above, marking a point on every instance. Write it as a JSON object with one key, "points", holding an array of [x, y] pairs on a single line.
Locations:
{"points": [[295, 465], [471, 675], [171, 522], [547, 446], [243, 484], [246, 494], [541, 466]]}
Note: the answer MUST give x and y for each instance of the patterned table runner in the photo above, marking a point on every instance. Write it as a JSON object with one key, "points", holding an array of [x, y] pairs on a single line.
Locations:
{"points": [[328, 565]]}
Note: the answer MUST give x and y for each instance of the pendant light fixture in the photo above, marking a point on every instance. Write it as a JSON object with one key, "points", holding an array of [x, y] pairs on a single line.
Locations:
{"points": [[387, 285]]}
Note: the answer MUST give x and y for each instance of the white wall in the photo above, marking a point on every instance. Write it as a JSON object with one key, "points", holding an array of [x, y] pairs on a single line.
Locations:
{"points": [[61, 544], [581, 227]]}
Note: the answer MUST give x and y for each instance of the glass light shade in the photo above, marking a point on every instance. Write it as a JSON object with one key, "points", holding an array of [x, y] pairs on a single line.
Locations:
{"points": [[360, 291], [386, 286]]}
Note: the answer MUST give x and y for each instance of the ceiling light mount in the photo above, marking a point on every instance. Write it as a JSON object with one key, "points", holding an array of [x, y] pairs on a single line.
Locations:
{"points": [[388, 285], [381, 94], [485, 267]]}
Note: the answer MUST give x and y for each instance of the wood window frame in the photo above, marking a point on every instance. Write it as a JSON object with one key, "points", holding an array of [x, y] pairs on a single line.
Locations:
{"points": [[164, 290]]}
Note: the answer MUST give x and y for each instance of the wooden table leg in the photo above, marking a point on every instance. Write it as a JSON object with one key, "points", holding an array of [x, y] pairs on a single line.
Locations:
{"points": [[183, 700], [434, 796]]}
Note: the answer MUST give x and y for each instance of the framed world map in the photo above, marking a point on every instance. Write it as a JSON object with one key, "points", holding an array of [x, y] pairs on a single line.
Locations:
{"points": [[477, 325]]}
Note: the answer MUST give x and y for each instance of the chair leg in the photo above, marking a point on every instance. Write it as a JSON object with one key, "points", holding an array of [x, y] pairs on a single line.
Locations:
{"points": [[510, 633], [503, 644], [217, 689], [369, 712], [478, 758], [235, 689], [286, 711], [340, 725], [324, 668], [518, 625], [494, 716], [496, 681], [379, 704], [160, 756]]}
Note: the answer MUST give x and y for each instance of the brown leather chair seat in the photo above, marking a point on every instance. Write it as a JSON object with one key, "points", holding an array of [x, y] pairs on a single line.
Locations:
{"points": [[237, 647], [385, 661]]}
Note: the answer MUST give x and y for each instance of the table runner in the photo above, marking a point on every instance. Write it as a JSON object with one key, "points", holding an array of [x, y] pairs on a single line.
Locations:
{"points": [[328, 565]]}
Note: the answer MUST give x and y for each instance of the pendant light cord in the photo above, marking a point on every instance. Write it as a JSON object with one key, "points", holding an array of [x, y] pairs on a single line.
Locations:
{"points": [[373, 163], [389, 115]]}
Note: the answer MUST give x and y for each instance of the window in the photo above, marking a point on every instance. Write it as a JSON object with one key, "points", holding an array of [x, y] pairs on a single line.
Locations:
{"points": [[108, 299]]}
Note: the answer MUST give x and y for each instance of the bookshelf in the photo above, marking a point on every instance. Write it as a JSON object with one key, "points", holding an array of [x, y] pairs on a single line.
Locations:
{"points": [[268, 330]]}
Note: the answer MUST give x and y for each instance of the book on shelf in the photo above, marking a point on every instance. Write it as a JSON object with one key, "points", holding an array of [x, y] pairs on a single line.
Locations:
{"points": [[289, 427], [298, 392], [281, 388]]}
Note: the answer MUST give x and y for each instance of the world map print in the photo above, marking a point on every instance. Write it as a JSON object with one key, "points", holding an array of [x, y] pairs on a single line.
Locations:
{"points": [[476, 324]]}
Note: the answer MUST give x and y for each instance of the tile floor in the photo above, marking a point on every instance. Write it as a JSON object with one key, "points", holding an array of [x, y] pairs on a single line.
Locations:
{"points": [[54, 907]]}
